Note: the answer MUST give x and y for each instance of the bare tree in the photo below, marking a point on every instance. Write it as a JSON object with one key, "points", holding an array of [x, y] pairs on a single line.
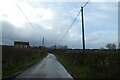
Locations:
{"points": [[111, 46]]}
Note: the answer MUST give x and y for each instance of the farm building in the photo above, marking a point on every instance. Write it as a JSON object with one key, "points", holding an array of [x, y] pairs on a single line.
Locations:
{"points": [[20, 44]]}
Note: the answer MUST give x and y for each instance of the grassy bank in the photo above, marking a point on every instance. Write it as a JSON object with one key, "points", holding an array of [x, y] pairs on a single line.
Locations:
{"points": [[91, 65], [76, 71], [16, 60]]}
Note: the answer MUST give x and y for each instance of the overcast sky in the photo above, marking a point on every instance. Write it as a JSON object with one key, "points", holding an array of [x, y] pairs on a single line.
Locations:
{"points": [[51, 20]]}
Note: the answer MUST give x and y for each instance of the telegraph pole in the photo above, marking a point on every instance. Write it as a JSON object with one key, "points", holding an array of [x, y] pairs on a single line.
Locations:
{"points": [[83, 36], [43, 42]]}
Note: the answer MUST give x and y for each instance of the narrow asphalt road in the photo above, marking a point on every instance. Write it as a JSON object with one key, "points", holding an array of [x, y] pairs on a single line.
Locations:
{"points": [[49, 67]]}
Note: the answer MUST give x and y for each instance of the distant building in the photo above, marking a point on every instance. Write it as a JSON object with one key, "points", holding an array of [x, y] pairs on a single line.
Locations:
{"points": [[20, 44]]}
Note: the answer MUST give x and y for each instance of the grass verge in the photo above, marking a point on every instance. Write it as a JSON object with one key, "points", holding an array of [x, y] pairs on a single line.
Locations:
{"points": [[15, 63], [79, 71]]}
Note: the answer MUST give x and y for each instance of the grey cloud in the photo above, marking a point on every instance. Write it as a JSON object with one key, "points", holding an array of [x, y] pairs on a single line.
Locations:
{"points": [[34, 35], [11, 33], [63, 19]]}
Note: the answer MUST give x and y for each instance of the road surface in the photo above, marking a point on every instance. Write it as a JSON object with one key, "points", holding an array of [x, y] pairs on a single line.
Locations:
{"points": [[49, 67]]}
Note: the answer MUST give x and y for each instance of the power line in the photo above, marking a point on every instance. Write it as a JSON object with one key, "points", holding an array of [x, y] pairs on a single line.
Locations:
{"points": [[72, 23], [70, 27], [23, 13], [85, 4], [33, 9]]}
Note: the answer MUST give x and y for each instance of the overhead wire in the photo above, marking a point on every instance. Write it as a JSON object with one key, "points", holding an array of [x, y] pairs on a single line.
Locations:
{"points": [[23, 13], [37, 15], [72, 24], [85, 4], [69, 27]]}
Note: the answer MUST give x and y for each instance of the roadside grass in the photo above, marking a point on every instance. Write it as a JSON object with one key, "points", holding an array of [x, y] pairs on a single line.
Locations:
{"points": [[76, 71], [16, 61], [90, 65], [13, 70]]}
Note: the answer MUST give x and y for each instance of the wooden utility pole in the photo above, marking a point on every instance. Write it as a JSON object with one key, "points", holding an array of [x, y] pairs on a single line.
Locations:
{"points": [[83, 36]]}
